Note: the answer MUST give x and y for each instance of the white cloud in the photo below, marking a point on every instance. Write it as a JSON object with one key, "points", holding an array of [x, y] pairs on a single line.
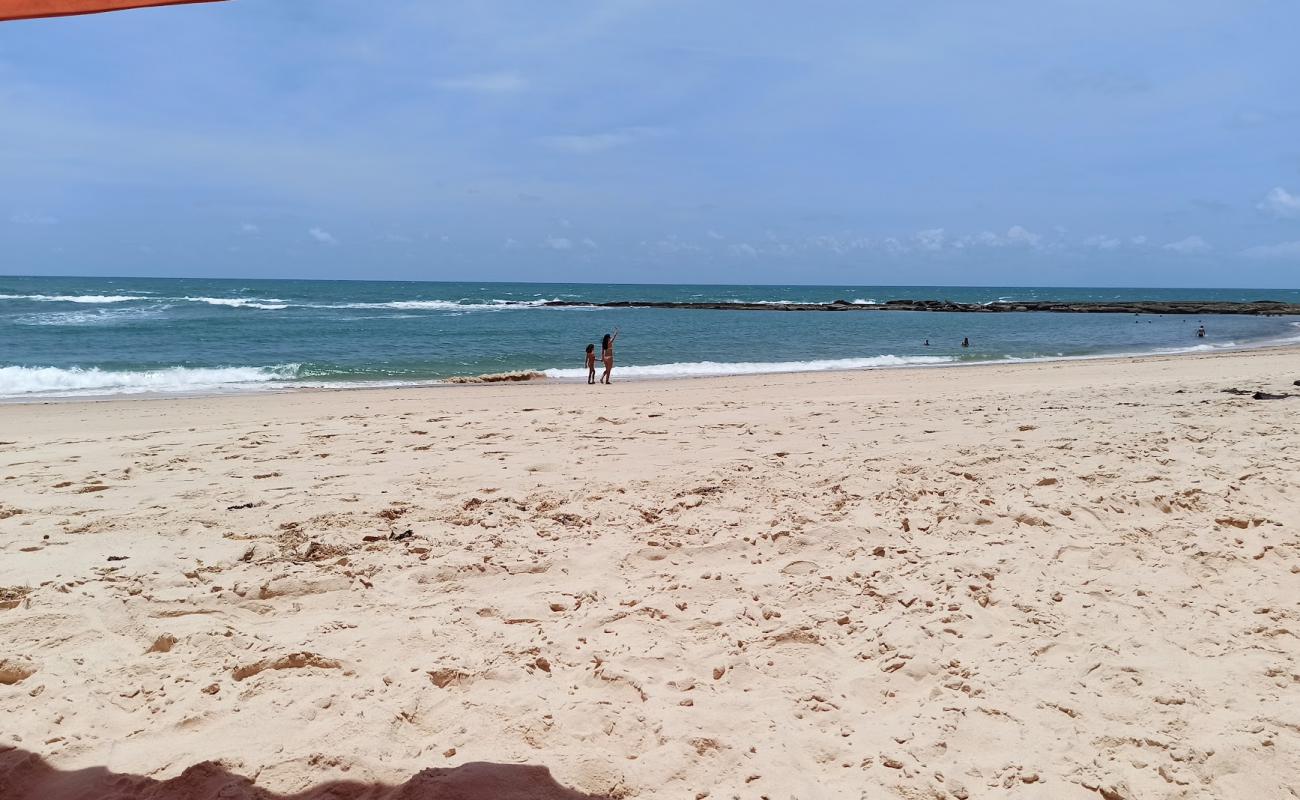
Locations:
{"points": [[1102, 242], [931, 239], [1191, 245], [1017, 235], [23, 218], [712, 234], [485, 82], [596, 142], [322, 236], [510, 244], [557, 243], [838, 245], [1281, 203], [1283, 250], [672, 244], [893, 246], [744, 249], [249, 229], [1139, 240], [590, 244]]}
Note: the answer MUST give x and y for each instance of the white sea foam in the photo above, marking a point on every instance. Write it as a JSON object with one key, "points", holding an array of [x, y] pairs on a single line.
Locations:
{"points": [[1158, 351], [98, 316], [58, 382], [443, 305], [73, 298], [276, 304], [713, 368], [401, 305], [266, 303], [702, 368], [420, 305]]}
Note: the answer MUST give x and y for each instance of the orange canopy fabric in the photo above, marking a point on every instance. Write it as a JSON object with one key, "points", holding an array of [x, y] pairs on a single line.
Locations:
{"points": [[30, 9]]}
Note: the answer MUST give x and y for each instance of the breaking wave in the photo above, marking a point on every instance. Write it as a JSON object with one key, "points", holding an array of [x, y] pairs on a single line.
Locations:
{"points": [[74, 298], [702, 368], [95, 316], [57, 382], [443, 305], [266, 303]]}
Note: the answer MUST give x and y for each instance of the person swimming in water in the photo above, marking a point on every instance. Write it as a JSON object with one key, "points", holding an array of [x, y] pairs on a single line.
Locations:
{"points": [[607, 355], [1200, 332], [965, 342]]}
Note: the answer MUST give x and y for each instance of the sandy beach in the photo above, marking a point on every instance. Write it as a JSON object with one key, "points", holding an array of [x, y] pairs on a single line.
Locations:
{"points": [[1048, 580]]}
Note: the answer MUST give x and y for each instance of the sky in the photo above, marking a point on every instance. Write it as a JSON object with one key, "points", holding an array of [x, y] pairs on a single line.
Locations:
{"points": [[1067, 143]]}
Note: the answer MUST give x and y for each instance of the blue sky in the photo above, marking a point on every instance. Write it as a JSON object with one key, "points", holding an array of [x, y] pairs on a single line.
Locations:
{"points": [[1043, 143]]}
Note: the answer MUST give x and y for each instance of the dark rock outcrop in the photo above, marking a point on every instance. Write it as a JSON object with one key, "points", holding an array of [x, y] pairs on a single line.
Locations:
{"points": [[1175, 307]]}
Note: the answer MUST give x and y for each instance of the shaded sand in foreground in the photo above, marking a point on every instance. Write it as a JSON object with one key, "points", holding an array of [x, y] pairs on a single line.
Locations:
{"points": [[1057, 580], [26, 776]]}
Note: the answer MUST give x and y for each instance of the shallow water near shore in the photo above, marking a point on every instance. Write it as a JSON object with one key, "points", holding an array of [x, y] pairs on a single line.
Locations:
{"points": [[98, 336]]}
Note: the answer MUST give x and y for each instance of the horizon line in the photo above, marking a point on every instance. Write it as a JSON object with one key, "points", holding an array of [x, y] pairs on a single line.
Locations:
{"points": [[666, 283]]}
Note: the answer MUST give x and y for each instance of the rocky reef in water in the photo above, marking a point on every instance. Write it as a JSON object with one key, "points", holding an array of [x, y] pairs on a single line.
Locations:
{"points": [[1184, 307]]}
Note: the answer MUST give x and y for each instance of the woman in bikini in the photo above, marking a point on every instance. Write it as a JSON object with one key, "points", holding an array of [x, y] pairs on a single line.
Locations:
{"points": [[607, 354]]}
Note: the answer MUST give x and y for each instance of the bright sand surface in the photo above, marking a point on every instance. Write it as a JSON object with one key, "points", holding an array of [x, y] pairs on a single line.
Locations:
{"points": [[1048, 580]]}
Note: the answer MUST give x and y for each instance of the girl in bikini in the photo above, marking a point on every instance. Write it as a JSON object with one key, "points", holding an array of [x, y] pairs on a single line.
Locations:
{"points": [[607, 354]]}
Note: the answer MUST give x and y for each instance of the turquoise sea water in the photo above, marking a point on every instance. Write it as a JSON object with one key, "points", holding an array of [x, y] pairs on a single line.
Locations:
{"points": [[95, 336]]}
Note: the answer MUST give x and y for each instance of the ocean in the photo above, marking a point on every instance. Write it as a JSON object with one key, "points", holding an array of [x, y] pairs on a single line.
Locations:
{"points": [[65, 337]]}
